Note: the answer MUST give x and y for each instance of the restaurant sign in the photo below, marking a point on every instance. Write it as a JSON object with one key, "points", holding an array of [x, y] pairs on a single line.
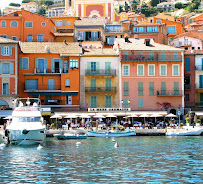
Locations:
{"points": [[108, 109]]}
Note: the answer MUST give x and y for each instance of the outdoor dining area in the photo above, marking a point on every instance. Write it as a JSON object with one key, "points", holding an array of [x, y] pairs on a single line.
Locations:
{"points": [[132, 120]]}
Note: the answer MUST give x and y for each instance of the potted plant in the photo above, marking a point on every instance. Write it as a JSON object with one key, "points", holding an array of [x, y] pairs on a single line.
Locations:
{"points": [[181, 125], [53, 126], [187, 119], [198, 122]]}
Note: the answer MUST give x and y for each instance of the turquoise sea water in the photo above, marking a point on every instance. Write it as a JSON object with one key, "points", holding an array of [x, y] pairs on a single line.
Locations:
{"points": [[136, 160]]}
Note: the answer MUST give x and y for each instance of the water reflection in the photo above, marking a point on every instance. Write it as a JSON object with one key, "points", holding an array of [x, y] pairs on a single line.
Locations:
{"points": [[137, 159]]}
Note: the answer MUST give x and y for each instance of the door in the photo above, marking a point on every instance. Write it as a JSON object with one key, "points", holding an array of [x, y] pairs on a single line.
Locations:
{"points": [[41, 65], [201, 81], [201, 99], [56, 66], [31, 84], [107, 67], [108, 84], [69, 100], [5, 89], [176, 88], [51, 84], [93, 85]]}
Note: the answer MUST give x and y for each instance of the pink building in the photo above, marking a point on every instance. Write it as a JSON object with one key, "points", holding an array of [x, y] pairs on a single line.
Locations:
{"points": [[152, 75]]}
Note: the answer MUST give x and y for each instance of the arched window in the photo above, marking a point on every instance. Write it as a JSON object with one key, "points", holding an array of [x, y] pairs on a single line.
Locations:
{"points": [[3, 23], [14, 24]]}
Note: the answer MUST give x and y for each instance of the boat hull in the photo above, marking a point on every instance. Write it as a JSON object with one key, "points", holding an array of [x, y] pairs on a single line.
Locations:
{"points": [[184, 132], [32, 137], [110, 134]]}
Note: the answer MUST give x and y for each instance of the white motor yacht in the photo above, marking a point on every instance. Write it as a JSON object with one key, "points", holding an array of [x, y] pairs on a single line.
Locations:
{"points": [[27, 125]]}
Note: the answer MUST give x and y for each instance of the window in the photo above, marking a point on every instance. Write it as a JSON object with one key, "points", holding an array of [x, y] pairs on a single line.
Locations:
{"points": [[3, 23], [5, 68], [41, 65], [40, 37], [200, 81], [95, 36], [14, 38], [198, 48], [67, 82], [158, 21], [126, 89], [93, 66], [108, 84], [31, 84], [163, 70], [29, 38], [152, 29], [73, 63], [163, 88], [151, 88], [51, 84], [5, 89], [187, 83], [176, 88], [171, 29], [193, 48], [14, 24], [6, 51], [68, 23], [110, 40], [140, 102], [163, 56], [24, 63], [126, 102], [107, 67], [43, 24], [175, 56], [151, 70], [108, 101], [93, 101], [140, 88], [187, 97], [58, 23], [187, 64], [126, 70], [140, 70], [28, 24], [175, 69]]}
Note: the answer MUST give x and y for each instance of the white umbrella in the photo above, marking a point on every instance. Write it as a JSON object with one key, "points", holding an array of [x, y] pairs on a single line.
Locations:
{"points": [[98, 116], [171, 115], [56, 116], [132, 116], [71, 116], [84, 116], [8, 117], [144, 116], [111, 116], [156, 116]]}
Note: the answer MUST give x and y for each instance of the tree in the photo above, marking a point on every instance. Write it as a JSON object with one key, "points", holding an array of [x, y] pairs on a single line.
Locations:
{"points": [[126, 7], [41, 11], [154, 2], [179, 5], [26, 1], [14, 4]]}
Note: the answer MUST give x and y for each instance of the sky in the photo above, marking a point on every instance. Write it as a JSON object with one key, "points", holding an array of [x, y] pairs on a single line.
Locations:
{"points": [[7, 2]]}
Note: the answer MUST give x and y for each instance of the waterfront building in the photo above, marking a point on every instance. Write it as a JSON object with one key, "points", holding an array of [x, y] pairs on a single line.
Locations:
{"points": [[99, 78], [152, 75], [50, 71], [8, 72], [26, 27], [30, 6]]}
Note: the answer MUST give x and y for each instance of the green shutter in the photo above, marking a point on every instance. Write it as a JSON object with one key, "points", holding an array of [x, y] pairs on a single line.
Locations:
{"points": [[151, 88], [176, 88], [10, 50], [93, 101], [200, 81], [97, 67], [140, 88], [126, 104], [21, 63], [126, 89], [140, 102], [107, 67], [163, 56], [108, 84], [163, 88], [175, 56], [93, 85], [108, 101]]}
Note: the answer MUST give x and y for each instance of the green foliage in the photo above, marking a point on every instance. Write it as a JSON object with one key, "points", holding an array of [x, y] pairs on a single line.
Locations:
{"points": [[148, 12], [42, 11], [179, 5], [187, 120], [27, 1], [192, 6], [181, 124], [14, 4], [198, 121]]}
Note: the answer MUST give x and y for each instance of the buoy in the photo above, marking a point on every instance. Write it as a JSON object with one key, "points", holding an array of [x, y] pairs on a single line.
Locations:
{"points": [[39, 147], [78, 143], [116, 145], [113, 140], [2, 145]]}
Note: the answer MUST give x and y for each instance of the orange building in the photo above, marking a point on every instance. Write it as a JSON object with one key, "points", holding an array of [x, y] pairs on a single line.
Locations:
{"points": [[64, 28], [26, 27], [50, 71]]}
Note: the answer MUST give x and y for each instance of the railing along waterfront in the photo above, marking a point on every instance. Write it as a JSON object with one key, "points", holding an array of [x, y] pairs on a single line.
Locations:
{"points": [[155, 57], [101, 89], [169, 93], [100, 72]]}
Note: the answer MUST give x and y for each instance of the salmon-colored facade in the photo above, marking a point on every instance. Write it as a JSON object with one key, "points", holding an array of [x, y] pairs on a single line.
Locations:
{"points": [[26, 27]]}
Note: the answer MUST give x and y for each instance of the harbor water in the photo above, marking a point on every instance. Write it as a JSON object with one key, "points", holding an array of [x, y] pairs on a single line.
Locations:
{"points": [[157, 159]]}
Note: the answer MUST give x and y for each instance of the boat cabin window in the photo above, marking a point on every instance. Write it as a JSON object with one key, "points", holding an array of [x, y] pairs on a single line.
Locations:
{"points": [[27, 119]]}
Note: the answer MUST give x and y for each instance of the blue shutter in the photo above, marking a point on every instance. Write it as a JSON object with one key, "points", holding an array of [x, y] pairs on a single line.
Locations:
{"points": [[2, 50], [11, 68], [52, 65], [45, 64], [201, 81], [10, 50], [0, 68], [65, 66], [187, 64], [36, 62], [61, 64], [21, 63]]}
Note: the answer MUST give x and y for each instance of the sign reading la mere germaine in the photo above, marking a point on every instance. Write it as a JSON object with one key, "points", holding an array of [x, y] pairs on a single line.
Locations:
{"points": [[108, 109]]}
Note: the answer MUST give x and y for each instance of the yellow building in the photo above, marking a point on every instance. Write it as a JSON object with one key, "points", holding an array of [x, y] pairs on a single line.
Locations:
{"points": [[99, 78]]}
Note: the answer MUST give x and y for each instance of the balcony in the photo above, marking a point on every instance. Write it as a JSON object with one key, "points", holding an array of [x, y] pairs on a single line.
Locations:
{"points": [[150, 58], [42, 88], [185, 44], [199, 104], [169, 93], [199, 67], [187, 86], [49, 71], [100, 89], [100, 72]]}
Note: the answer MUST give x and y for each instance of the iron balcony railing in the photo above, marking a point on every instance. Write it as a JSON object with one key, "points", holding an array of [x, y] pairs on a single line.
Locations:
{"points": [[44, 71], [181, 44], [60, 102], [100, 72], [199, 104], [169, 93], [42, 87], [148, 58], [100, 89], [199, 67], [187, 86]]}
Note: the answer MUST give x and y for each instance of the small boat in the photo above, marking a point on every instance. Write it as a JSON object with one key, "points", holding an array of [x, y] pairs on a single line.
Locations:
{"points": [[69, 136], [184, 132], [111, 133], [27, 125]]}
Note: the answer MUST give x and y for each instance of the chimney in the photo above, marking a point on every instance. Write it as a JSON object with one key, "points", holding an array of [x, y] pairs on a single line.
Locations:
{"points": [[147, 42], [126, 39]]}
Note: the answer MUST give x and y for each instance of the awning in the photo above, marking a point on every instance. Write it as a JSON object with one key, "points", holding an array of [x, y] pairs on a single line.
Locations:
{"points": [[69, 93], [199, 113]]}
